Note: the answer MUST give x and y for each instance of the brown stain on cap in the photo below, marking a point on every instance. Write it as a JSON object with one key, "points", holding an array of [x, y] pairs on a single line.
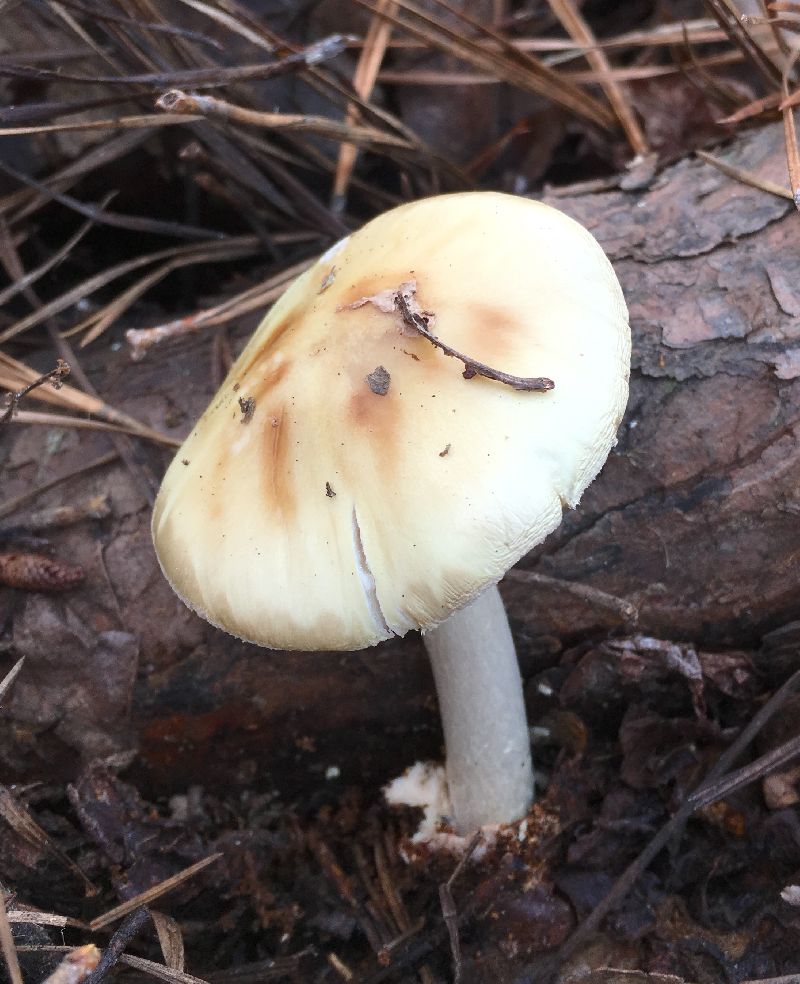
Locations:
{"points": [[377, 420], [287, 324], [492, 333], [375, 413], [279, 493], [262, 385], [374, 283]]}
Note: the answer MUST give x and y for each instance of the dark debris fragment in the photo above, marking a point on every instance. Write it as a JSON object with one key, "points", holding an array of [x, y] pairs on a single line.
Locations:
{"points": [[247, 404], [378, 381]]}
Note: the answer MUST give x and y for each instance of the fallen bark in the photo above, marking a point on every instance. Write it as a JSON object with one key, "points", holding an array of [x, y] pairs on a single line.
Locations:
{"points": [[695, 517]]}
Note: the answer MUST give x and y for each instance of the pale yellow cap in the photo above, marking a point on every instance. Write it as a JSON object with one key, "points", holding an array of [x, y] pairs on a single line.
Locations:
{"points": [[308, 510]]}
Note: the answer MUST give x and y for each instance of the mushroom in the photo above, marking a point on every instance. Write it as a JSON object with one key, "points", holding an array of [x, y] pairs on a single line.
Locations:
{"points": [[359, 475]]}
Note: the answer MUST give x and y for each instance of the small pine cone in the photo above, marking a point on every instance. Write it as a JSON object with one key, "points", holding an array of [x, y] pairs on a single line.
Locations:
{"points": [[36, 572]]}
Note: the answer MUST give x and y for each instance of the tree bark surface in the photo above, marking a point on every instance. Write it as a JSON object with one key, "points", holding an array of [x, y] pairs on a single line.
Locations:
{"points": [[695, 518]]}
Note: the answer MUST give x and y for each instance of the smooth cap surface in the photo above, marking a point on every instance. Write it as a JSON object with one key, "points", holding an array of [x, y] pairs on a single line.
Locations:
{"points": [[347, 483]]}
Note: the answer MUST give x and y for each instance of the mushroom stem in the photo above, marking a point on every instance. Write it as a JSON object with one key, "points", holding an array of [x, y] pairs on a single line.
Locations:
{"points": [[489, 771]]}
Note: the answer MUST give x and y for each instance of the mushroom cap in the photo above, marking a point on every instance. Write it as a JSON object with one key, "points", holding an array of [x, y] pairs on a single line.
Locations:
{"points": [[309, 510]]}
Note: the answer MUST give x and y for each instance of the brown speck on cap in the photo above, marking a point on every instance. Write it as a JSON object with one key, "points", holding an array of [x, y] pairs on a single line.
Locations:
{"points": [[446, 451], [378, 381], [248, 407], [329, 491]]}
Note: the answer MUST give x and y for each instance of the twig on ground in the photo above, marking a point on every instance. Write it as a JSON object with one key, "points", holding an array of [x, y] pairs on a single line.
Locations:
{"points": [[35, 917], [76, 966], [140, 473], [125, 932], [141, 340], [160, 971], [177, 101], [7, 943], [449, 910], [755, 108], [55, 377], [340, 967], [591, 595], [141, 121], [149, 967], [710, 792], [14, 374]]}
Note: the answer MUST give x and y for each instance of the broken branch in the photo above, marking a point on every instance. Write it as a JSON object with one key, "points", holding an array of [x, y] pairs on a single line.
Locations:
{"points": [[55, 376]]}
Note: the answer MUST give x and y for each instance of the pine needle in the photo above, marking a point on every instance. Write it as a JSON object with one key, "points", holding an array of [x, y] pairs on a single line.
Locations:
{"points": [[15, 375], [792, 152], [366, 73], [746, 177], [7, 946], [575, 25], [10, 677], [151, 894], [509, 63]]}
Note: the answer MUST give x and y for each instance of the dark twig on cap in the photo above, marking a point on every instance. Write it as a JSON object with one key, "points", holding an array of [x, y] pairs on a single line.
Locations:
{"points": [[55, 376], [418, 321]]}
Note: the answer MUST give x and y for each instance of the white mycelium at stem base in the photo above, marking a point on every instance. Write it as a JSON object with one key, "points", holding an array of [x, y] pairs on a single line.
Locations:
{"points": [[489, 772], [348, 484]]}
